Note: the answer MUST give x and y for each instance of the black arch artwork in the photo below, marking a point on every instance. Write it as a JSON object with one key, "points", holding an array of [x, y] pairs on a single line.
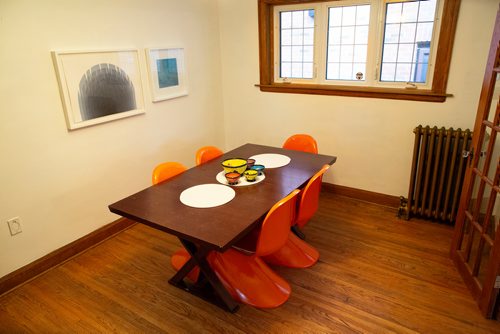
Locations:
{"points": [[105, 89]]}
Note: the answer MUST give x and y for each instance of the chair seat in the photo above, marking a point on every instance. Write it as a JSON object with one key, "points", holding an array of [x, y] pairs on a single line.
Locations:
{"points": [[295, 254], [246, 277]]}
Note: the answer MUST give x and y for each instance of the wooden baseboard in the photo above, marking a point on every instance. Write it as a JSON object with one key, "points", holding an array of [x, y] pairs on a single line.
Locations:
{"points": [[363, 195], [59, 256]]}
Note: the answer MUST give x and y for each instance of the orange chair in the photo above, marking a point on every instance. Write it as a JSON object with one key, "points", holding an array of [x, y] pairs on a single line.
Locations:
{"points": [[247, 277], [207, 153], [167, 170], [296, 253], [301, 142]]}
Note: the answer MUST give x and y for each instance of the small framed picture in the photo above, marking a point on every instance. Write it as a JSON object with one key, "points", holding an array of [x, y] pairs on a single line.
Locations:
{"points": [[167, 73], [98, 86]]}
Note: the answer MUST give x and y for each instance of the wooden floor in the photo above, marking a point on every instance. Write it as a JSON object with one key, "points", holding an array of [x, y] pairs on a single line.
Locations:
{"points": [[377, 274]]}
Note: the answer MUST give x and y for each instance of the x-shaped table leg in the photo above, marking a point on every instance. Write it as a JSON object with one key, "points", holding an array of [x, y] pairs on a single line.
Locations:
{"points": [[218, 295]]}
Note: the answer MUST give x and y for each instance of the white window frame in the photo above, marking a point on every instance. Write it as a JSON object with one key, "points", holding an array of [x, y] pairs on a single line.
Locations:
{"points": [[375, 44]]}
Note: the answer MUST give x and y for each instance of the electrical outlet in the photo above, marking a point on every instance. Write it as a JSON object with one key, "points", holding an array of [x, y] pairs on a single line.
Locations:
{"points": [[14, 225]]}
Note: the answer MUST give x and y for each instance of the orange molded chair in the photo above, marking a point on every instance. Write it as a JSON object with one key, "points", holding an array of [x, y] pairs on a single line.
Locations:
{"points": [[167, 170], [247, 277], [296, 253], [207, 153], [301, 142]]}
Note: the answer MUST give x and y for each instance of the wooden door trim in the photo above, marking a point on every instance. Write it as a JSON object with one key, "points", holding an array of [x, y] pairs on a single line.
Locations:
{"points": [[483, 292]]}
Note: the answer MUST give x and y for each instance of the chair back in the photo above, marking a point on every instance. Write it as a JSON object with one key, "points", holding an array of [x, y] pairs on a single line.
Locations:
{"points": [[276, 226], [301, 142], [309, 200], [207, 153], [167, 170]]}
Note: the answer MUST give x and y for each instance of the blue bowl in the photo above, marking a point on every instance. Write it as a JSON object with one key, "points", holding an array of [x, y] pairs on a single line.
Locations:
{"points": [[258, 168]]}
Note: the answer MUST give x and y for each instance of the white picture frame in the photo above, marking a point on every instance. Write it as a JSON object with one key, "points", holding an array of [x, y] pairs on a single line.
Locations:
{"points": [[99, 86], [167, 73]]}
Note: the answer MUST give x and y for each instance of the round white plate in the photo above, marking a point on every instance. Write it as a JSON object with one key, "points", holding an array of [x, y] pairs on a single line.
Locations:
{"points": [[271, 160], [242, 182], [207, 195]]}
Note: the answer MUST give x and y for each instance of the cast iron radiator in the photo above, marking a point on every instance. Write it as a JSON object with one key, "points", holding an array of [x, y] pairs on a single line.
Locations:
{"points": [[437, 173]]}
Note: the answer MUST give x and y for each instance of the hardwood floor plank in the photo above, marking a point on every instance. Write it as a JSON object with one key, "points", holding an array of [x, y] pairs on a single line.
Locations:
{"points": [[376, 274]]}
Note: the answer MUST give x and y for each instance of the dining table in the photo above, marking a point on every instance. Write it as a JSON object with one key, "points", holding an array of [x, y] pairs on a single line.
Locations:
{"points": [[202, 230]]}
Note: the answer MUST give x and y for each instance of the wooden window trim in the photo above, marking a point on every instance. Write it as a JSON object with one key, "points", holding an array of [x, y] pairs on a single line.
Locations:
{"points": [[441, 69]]}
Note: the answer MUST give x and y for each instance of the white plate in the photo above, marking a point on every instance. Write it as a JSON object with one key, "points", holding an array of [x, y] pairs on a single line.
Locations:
{"points": [[271, 160], [207, 195], [242, 182]]}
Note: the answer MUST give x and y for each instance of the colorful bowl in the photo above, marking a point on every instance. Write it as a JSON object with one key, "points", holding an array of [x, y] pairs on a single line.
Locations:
{"points": [[237, 165], [259, 168], [250, 163], [251, 175], [232, 178]]}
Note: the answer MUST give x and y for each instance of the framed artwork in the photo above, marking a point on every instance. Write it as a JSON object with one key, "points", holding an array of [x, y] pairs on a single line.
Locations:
{"points": [[167, 73], [99, 86]]}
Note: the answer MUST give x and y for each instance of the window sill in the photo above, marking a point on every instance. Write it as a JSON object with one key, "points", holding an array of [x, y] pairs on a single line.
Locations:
{"points": [[371, 92]]}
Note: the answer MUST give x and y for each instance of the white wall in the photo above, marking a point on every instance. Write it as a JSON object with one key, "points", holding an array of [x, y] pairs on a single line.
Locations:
{"points": [[372, 138], [60, 183]]}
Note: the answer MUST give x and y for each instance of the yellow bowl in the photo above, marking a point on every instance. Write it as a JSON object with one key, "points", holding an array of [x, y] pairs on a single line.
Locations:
{"points": [[251, 175], [237, 165]]}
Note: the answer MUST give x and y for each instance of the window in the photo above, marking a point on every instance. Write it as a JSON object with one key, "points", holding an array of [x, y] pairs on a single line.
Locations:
{"points": [[397, 49]]}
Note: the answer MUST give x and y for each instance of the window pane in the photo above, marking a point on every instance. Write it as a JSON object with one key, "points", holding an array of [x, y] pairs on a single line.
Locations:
{"points": [[347, 35], [388, 72], [413, 39], [334, 53], [296, 43], [360, 53], [361, 35], [390, 53], [424, 32], [286, 53], [408, 33], [308, 70], [349, 16], [297, 36], [346, 53], [335, 17], [403, 72], [309, 36], [394, 11], [359, 68], [286, 70], [332, 71], [309, 19], [308, 54], [427, 11], [392, 33], [347, 42], [298, 19], [334, 36], [410, 11], [286, 20], [286, 37], [363, 15], [296, 70], [346, 71], [297, 53], [405, 53]]}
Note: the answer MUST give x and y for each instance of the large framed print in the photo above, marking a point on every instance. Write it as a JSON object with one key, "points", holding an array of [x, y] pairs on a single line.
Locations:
{"points": [[167, 73], [99, 86]]}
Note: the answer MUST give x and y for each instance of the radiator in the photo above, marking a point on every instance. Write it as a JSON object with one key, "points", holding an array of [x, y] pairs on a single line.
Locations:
{"points": [[437, 173]]}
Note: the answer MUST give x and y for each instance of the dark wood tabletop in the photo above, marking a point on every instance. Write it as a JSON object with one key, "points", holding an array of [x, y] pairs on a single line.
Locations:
{"points": [[219, 227]]}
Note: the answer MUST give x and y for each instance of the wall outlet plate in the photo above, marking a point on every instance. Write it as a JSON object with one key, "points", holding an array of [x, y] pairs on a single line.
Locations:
{"points": [[14, 226]]}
